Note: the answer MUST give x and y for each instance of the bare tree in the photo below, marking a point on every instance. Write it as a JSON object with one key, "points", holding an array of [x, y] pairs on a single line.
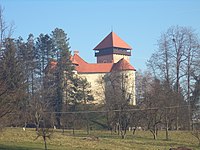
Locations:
{"points": [[156, 100], [44, 132], [153, 102], [173, 62], [117, 97], [5, 29]]}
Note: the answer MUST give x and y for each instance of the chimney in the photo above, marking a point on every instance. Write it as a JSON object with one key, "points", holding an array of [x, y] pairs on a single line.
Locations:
{"points": [[76, 52]]}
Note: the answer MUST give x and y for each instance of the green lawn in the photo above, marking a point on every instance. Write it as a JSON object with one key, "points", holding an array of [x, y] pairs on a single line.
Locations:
{"points": [[17, 139]]}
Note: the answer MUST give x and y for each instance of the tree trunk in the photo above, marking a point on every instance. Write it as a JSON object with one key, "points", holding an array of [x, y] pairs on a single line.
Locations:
{"points": [[37, 127], [44, 138], [123, 136], [166, 125], [74, 126], [189, 116], [73, 131], [123, 133], [118, 128], [58, 122], [177, 119], [167, 131], [154, 136], [134, 130], [154, 132], [88, 126], [45, 143], [63, 129]]}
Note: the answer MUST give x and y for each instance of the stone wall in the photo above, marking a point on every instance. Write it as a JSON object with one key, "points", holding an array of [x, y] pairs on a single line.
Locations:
{"points": [[98, 86], [117, 57]]}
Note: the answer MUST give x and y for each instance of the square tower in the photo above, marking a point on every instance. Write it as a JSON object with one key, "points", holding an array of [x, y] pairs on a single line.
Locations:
{"points": [[111, 49]]}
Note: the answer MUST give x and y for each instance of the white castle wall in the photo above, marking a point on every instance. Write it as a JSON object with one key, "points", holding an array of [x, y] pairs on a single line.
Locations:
{"points": [[98, 87]]}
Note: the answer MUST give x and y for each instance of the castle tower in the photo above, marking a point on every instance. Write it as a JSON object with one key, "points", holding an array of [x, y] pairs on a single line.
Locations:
{"points": [[111, 49]]}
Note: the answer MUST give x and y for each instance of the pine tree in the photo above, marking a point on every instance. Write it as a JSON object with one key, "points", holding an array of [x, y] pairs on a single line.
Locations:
{"points": [[44, 50], [12, 79], [64, 69]]}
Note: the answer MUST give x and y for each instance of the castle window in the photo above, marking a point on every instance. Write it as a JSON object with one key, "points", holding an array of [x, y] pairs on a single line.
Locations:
{"points": [[104, 61]]}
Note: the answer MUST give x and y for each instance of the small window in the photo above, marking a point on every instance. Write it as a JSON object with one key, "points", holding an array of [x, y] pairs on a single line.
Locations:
{"points": [[104, 61]]}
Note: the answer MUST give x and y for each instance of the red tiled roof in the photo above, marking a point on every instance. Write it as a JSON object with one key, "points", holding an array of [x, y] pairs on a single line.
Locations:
{"points": [[84, 67], [53, 63], [112, 40], [122, 64]]}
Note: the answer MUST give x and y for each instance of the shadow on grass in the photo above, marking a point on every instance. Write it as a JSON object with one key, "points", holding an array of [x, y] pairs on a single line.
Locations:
{"points": [[7, 147], [80, 135], [169, 143]]}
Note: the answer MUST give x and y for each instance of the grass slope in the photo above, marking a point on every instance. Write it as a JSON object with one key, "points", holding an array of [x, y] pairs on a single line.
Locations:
{"points": [[17, 139]]}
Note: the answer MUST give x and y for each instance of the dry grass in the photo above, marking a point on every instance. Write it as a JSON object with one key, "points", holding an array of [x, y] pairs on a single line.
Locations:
{"points": [[17, 139]]}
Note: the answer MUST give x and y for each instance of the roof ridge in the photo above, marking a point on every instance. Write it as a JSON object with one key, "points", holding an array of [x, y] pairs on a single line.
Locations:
{"points": [[122, 64], [80, 58], [112, 38], [100, 63]]}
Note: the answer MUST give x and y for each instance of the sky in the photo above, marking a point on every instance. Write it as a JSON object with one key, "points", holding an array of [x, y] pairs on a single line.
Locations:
{"points": [[86, 22]]}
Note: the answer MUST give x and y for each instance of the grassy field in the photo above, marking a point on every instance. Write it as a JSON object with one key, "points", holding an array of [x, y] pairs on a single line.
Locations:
{"points": [[17, 139]]}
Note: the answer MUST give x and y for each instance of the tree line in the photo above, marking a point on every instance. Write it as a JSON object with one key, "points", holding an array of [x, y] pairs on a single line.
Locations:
{"points": [[36, 75], [176, 65]]}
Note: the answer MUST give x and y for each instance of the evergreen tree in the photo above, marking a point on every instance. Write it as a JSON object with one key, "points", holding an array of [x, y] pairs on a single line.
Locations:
{"points": [[80, 91], [27, 54], [44, 50], [63, 70], [12, 80]]}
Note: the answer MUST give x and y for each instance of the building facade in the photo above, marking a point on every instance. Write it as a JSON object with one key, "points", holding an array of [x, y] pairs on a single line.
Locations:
{"points": [[113, 60]]}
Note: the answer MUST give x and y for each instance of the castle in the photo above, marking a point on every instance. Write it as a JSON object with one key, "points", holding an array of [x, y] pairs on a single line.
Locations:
{"points": [[113, 55]]}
